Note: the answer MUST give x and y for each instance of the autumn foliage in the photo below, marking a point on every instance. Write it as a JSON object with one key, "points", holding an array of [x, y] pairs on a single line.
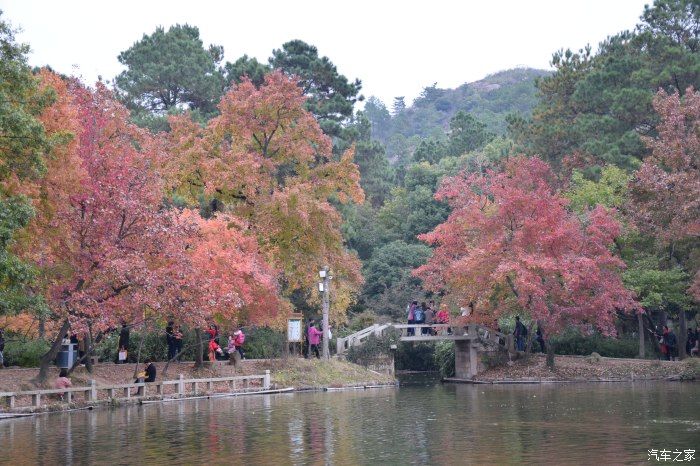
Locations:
{"points": [[511, 245], [215, 271], [666, 189], [107, 246], [266, 161]]}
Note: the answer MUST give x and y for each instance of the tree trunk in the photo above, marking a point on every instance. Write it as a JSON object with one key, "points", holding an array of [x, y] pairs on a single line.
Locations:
{"points": [[138, 354], [683, 337], [88, 350], [528, 344], [640, 321], [167, 364], [550, 353], [547, 346], [198, 350], [42, 327], [51, 354]]}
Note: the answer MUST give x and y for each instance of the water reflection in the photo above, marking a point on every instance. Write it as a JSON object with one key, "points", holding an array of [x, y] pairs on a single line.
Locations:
{"points": [[416, 424]]}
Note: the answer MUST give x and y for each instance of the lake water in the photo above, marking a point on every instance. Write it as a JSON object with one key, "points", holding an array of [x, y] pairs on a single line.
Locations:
{"points": [[419, 423]]}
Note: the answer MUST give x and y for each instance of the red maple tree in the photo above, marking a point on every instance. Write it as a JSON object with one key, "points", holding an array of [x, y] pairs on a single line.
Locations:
{"points": [[511, 245], [665, 192]]}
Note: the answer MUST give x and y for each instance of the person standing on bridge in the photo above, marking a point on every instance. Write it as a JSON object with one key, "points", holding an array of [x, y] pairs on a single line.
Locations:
{"points": [[420, 316], [430, 317], [411, 310], [443, 316]]}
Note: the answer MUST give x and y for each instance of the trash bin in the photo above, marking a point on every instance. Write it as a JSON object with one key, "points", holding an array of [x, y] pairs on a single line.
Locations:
{"points": [[67, 356]]}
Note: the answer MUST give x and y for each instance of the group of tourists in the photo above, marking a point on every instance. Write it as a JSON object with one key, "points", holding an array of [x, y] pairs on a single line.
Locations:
{"points": [[174, 341], [668, 342], [234, 344], [426, 314]]}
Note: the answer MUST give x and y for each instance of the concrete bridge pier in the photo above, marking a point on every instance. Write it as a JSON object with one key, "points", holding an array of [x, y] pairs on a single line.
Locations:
{"points": [[466, 359]]}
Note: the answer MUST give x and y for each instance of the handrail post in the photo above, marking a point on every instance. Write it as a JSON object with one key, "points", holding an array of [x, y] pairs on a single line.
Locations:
{"points": [[181, 385], [266, 380], [93, 390], [339, 345]]}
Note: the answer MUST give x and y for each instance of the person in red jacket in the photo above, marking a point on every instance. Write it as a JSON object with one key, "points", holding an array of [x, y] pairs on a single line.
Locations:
{"points": [[213, 349], [239, 339], [213, 332], [314, 336]]}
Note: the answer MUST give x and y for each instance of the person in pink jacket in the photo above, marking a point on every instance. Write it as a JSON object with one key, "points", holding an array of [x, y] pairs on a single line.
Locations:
{"points": [[314, 336], [238, 341]]}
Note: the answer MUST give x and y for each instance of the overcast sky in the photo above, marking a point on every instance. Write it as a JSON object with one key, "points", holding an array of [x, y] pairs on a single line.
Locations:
{"points": [[395, 48]]}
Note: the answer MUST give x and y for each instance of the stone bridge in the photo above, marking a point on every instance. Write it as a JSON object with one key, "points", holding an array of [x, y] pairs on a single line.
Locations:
{"points": [[472, 342]]}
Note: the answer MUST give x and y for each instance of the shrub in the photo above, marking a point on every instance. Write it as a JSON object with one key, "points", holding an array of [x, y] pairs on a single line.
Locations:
{"points": [[373, 347], [356, 323], [260, 343], [444, 358], [573, 342], [23, 352], [263, 343]]}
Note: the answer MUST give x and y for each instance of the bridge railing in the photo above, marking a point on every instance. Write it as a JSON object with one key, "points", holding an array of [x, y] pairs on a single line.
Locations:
{"points": [[443, 330], [344, 343], [425, 332]]}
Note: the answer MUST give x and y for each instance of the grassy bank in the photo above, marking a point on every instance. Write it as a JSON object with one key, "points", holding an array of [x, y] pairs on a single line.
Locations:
{"points": [[292, 372]]}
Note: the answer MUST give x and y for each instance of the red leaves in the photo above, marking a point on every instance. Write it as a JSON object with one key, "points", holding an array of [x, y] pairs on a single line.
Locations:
{"points": [[215, 270], [666, 190], [109, 248], [118, 251], [510, 243]]}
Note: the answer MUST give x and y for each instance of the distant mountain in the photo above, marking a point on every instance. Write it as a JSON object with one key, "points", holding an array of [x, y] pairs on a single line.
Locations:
{"points": [[489, 100]]}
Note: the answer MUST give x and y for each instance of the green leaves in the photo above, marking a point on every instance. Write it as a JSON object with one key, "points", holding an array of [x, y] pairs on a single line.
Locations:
{"points": [[331, 96], [658, 289], [23, 145], [391, 263], [15, 213], [467, 134], [601, 104], [609, 191], [171, 69], [23, 142]]}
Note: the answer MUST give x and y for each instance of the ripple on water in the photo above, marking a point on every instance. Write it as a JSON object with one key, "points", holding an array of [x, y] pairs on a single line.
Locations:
{"points": [[423, 424]]}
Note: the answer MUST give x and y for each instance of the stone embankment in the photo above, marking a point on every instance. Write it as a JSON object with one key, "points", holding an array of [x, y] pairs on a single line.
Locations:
{"points": [[296, 373]]}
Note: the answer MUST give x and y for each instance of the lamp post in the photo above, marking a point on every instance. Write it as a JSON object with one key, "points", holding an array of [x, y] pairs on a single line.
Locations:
{"points": [[325, 288]]}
